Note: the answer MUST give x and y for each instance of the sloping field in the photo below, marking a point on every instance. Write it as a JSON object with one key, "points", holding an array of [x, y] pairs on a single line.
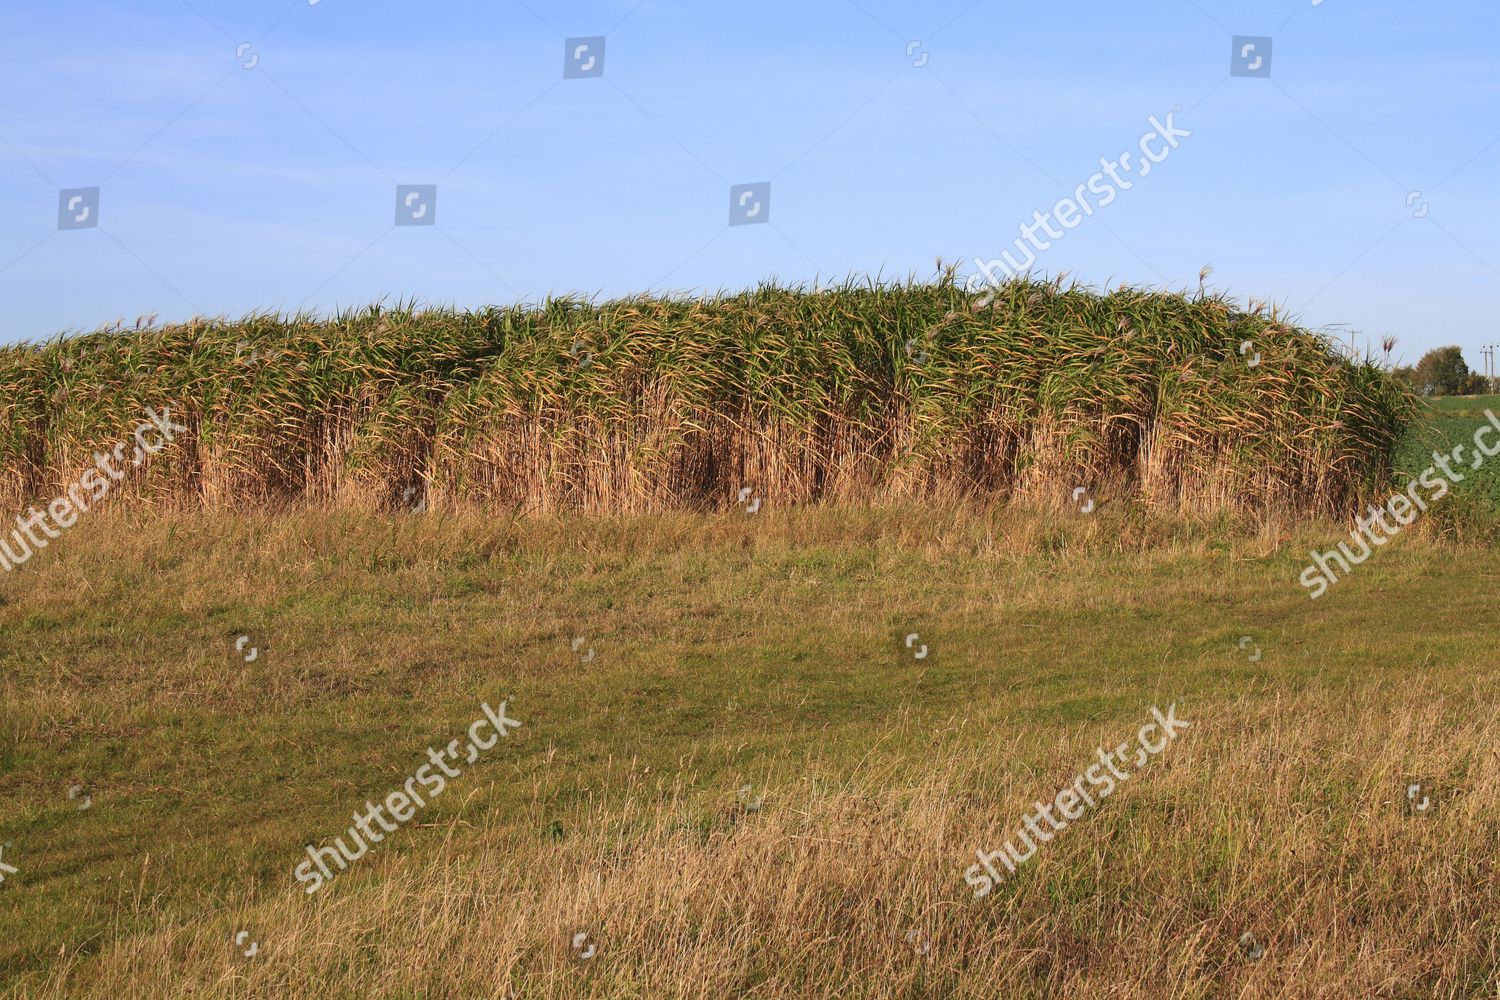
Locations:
{"points": [[866, 393], [742, 782]]}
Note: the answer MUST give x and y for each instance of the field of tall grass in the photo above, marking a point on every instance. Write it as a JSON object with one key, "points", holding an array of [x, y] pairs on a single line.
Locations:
{"points": [[1175, 403]]}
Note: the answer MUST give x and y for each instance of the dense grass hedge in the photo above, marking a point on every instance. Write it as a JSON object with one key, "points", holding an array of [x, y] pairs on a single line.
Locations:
{"points": [[853, 394]]}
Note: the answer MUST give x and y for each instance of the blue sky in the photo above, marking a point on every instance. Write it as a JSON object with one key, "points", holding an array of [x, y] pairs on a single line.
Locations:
{"points": [[892, 134]]}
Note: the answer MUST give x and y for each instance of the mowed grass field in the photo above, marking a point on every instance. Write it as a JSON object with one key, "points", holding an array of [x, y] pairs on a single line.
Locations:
{"points": [[1268, 852]]}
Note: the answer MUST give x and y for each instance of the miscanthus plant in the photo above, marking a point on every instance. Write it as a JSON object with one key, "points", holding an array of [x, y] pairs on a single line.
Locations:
{"points": [[1181, 403]]}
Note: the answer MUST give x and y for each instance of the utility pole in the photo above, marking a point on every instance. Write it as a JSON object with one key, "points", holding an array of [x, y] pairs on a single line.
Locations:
{"points": [[1489, 364]]}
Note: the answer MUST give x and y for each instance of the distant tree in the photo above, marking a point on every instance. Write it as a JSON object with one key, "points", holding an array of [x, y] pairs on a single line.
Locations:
{"points": [[1442, 372], [1475, 385], [1407, 374]]}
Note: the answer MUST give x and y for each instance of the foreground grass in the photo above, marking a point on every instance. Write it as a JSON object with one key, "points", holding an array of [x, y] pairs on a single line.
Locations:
{"points": [[740, 650]]}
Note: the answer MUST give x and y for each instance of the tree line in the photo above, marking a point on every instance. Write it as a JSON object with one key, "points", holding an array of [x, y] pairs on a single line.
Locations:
{"points": [[1443, 372]]}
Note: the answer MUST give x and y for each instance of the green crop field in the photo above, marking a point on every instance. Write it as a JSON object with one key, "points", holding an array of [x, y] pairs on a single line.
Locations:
{"points": [[1473, 510], [1447, 422]]}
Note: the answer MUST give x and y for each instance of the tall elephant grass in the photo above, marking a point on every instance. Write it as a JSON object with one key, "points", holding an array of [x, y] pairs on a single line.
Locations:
{"points": [[865, 393]]}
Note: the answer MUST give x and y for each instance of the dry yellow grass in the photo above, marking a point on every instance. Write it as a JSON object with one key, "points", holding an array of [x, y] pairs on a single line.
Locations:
{"points": [[1279, 819], [745, 650]]}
